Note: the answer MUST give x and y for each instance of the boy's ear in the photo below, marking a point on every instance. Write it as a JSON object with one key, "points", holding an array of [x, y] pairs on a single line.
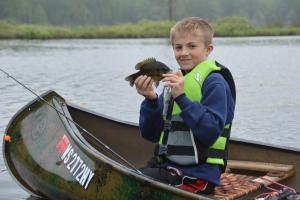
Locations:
{"points": [[209, 48]]}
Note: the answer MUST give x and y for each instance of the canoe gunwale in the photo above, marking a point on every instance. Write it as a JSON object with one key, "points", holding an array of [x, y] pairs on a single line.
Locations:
{"points": [[266, 145]]}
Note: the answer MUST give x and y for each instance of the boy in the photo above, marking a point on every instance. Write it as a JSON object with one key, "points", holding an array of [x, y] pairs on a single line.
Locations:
{"points": [[192, 140]]}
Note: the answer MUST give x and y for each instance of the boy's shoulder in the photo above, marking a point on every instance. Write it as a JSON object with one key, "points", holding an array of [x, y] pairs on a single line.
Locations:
{"points": [[214, 77], [215, 80]]}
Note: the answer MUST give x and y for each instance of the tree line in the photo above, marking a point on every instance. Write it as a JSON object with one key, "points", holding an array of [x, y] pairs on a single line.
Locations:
{"points": [[109, 12]]}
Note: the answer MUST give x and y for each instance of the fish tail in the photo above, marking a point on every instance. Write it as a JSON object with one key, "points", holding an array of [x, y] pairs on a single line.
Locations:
{"points": [[131, 79]]}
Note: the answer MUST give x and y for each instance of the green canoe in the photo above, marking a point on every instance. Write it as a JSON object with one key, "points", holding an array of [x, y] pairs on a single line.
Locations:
{"points": [[51, 156]]}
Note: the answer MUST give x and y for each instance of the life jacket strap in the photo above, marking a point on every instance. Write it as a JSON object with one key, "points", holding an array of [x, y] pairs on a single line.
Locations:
{"points": [[167, 126], [216, 153], [180, 150], [170, 150], [162, 150], [179, 126], [226, 132]]}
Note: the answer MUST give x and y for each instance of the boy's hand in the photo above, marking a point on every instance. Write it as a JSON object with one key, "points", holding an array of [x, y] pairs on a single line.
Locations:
{"points": [[176, 81], [144, 86]]}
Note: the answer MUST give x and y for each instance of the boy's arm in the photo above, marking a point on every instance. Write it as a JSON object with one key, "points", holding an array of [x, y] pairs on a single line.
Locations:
{"points": [[207, 119], [150, 122]]}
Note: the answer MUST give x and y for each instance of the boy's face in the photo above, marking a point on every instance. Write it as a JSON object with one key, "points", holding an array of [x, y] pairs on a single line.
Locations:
{"points": [[190, 49]]}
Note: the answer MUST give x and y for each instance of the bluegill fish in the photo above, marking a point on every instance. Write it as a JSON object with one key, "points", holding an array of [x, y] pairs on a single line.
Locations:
{"points": [[150, 67]]}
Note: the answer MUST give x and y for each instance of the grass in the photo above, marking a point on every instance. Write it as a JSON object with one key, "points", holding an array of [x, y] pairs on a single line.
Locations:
{"points": [[225, 27]]}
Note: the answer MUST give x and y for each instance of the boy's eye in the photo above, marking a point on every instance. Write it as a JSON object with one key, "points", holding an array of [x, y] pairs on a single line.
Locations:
{"points": [[178, 47], [192, 46]]}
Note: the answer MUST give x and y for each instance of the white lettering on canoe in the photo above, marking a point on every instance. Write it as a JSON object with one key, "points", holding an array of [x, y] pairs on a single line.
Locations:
{"points": [[77, 160], [78, 167], [66, 152], [83, 174], [73, 160], [91, 175]]}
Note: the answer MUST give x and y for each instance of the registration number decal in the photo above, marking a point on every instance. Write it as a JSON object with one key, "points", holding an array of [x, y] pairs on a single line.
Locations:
{"points": [[75, 165]]}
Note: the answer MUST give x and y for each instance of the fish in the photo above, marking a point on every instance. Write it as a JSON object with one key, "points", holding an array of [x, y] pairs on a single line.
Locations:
{"points": [[150, 67]]}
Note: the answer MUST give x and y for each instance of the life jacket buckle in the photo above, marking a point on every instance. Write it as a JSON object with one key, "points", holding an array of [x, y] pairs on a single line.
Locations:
{"points": [[163, 149], [167, 126]]}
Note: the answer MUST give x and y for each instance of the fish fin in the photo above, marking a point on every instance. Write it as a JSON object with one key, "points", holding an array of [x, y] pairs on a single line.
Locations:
{"points": [[140, 65]]}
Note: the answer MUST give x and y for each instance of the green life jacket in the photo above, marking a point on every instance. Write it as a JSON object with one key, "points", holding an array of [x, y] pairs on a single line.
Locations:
{"points": [[177, 142]]}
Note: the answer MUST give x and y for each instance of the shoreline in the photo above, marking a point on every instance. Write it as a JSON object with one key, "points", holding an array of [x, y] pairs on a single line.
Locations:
{"points": [[233, 27]]}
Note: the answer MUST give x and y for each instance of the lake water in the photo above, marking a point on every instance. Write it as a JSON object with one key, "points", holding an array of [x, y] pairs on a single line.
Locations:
{"points": [[91, 73]]}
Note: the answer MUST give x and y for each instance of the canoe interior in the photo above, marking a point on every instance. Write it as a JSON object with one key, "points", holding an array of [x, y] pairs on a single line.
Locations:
{"points": [[124, 138]]}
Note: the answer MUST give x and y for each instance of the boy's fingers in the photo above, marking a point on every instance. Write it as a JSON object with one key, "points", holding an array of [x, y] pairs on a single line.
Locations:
{"points": [[146, 82], [139, 81], [170, 79], [150, 83], [169, 74], [179, 73]]}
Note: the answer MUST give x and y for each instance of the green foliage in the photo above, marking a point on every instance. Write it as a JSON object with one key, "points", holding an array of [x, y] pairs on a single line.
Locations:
{"points": [[229, 26], [6, 29], [140, 29], [278, 31], [237, 26]]}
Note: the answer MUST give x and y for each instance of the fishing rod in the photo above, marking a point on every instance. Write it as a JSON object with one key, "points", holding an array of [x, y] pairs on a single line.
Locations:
{"points": [[107, 148]]}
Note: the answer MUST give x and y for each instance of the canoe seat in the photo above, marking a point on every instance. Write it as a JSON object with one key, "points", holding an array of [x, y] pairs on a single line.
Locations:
{"points": [[237, 185]]}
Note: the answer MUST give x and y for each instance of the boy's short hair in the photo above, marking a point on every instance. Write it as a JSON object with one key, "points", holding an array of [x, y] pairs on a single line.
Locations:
{"points": [[192, 25]]}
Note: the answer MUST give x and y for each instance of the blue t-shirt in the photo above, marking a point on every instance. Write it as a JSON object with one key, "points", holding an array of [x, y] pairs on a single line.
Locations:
{"points": [[206, 120]]}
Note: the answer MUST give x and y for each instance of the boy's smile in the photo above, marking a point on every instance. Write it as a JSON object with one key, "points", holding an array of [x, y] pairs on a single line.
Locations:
{"points": [[190, 50]]}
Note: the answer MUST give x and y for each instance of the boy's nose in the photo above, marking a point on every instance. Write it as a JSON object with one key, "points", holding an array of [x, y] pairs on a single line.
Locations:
{"points": [[184, 51]]}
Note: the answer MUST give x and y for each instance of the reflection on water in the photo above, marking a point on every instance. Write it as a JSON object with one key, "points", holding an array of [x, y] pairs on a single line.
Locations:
{"points": [[91, 73]]}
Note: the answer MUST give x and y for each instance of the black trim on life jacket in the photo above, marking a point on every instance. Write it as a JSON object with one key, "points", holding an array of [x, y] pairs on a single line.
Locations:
{"points": [[180, 150], [228, 77], [225, 72], [181, 126]]}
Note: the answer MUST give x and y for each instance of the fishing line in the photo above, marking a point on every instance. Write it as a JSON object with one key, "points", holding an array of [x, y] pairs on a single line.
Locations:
{"points": [[107, 148]]}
